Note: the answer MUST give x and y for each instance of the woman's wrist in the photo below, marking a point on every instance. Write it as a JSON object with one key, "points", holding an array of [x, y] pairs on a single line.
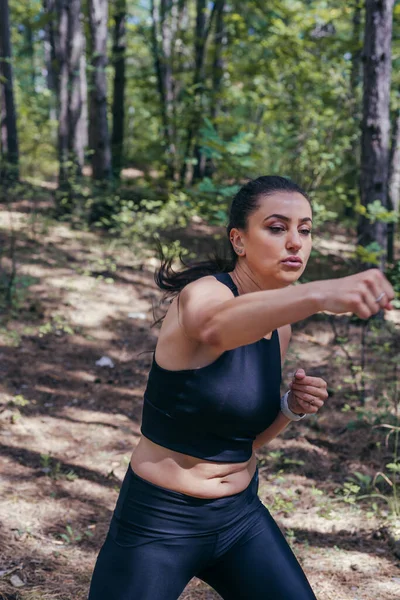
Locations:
{"points": [[286, 410], [315, 295]]}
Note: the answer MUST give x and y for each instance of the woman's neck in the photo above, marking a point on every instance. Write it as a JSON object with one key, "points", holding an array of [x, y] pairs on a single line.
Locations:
{"points": [[247, 280]]}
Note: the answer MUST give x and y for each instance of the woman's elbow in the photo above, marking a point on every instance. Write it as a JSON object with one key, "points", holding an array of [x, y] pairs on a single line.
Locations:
{"points": [[211, 335]]}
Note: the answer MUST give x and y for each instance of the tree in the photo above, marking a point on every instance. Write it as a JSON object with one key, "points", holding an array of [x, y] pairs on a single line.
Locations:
{"points": [[353, 153], [165, 16], [76, 88], [49, 7], [201, 34], [394, 184], [69, 54], [61, 55], [206, 167], [375, 127], [9, 138], [118, 108], [99, 138]]}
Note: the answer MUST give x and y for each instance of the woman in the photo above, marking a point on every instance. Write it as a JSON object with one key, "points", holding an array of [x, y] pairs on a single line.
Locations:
{"points": [[188, 505]]}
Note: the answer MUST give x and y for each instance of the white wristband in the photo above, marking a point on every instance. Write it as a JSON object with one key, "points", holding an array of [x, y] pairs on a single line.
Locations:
{"points": [[286, 410]]}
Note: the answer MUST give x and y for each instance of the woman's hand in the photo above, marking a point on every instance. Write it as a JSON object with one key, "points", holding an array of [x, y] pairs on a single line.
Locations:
{"points": [[363, 294], [307, 394]]}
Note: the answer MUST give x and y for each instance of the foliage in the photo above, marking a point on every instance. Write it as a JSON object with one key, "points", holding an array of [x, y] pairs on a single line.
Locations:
{"points": [[373, 414], [393, 274], [286, 103], [145, 219], [72, 536], [370, 254], [375, 211]]}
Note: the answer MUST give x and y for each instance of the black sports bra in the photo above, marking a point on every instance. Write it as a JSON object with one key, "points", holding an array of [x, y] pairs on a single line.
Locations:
{"points": [[215, 412]]}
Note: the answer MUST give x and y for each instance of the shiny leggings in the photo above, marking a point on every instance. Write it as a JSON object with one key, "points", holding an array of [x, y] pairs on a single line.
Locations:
{"points": [[159, 539]]}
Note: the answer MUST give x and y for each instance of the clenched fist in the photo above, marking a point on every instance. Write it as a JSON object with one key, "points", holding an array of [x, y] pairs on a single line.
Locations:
{"points": [[307, 394]]}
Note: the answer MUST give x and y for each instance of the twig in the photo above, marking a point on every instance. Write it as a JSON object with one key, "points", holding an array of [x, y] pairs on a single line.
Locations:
{"points": [[7, 572]]}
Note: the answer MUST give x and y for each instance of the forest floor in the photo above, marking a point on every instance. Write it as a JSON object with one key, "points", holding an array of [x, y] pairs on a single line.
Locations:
{"points": [[68, 425]]}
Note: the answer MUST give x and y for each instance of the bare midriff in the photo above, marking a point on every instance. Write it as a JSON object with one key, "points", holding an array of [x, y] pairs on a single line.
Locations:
{"points": [[188, 474]]}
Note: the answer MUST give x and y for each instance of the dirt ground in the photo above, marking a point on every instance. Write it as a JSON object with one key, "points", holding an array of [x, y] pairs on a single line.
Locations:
{"points": [[68, 426]]}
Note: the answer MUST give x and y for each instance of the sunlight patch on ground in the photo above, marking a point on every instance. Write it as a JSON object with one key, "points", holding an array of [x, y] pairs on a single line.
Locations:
{"points": [[58, 437], [339, 521], [349, 575], [92, 416]]}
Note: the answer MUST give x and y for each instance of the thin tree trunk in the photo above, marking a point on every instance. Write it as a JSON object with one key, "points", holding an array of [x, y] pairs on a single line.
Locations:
{"points": [[394, 184], [3, 129], [207, 166], [99, 133], [50, 55], [118, 109], [218, 63], [83, 124], [198, 81], [376, 121], [72, 136], [202, 31], [355, 75], [165, 20], [353, 154], [61, 53], [76, 133], [10, 153], [30, 51]]}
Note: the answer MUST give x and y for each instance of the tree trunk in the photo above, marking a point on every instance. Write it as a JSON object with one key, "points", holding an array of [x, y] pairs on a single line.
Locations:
{"points": [[355, 75], [3, 129], [76, 133], [83, 125], [207, 167], [198, 87], [50, 55], [394, 184], [69, 72], [61, 54], [202, 31], [376, 121], [165, 21], [29, 50], [353, 154], [10, 153], [118, 109], [98, 131]]}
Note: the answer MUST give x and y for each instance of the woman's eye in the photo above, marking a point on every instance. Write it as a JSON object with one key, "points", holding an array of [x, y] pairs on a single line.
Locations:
{"points": [[305, 231], [276, 229]]}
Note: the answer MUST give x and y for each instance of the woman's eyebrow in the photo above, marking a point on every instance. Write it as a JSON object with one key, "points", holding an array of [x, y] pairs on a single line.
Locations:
{"points": [[303, 220]]}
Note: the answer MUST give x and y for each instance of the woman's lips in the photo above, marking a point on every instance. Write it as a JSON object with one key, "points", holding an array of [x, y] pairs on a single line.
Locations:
{"points": [[292, 261]]}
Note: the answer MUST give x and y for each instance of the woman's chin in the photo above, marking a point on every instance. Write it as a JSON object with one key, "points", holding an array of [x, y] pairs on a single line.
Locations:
{"points": [[289, 277]]}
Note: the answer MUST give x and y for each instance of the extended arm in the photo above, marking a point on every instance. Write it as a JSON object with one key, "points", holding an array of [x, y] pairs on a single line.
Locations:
{"points": [[211, 316]]}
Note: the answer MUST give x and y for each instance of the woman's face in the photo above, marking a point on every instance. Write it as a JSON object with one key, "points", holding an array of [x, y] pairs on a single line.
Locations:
{"points": [[277, 242]]}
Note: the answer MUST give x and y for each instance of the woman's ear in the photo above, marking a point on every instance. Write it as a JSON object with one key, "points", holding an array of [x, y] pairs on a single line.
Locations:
{"points": [[237, 242]]}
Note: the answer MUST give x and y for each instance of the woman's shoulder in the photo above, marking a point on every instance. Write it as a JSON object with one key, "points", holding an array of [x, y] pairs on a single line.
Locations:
{"points": [[180, 345], [208, 286]]}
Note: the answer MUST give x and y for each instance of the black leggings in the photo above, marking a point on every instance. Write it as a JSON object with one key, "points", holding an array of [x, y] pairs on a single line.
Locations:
{"points": [[159, 539]]}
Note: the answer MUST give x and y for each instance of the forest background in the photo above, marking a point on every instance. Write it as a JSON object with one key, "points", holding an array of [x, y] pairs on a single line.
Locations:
{"points": [[125, 124]]}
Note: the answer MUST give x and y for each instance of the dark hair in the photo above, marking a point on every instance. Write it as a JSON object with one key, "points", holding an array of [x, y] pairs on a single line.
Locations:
{"points": [[245, 202]]}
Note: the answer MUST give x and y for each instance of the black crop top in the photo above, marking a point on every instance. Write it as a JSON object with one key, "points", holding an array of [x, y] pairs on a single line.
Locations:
{"points": [[215, 412]]}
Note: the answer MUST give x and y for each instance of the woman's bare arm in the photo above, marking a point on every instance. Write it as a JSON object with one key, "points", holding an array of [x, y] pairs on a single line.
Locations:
{"points": [[303, 388], [280, 423], [212, 316]]}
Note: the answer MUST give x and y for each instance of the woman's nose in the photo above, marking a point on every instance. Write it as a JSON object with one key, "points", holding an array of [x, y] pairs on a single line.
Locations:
{"points": [[294, 241]]}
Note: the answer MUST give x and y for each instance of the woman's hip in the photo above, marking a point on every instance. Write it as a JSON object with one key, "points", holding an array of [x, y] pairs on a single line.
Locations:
{"points": [[149, 511]]}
